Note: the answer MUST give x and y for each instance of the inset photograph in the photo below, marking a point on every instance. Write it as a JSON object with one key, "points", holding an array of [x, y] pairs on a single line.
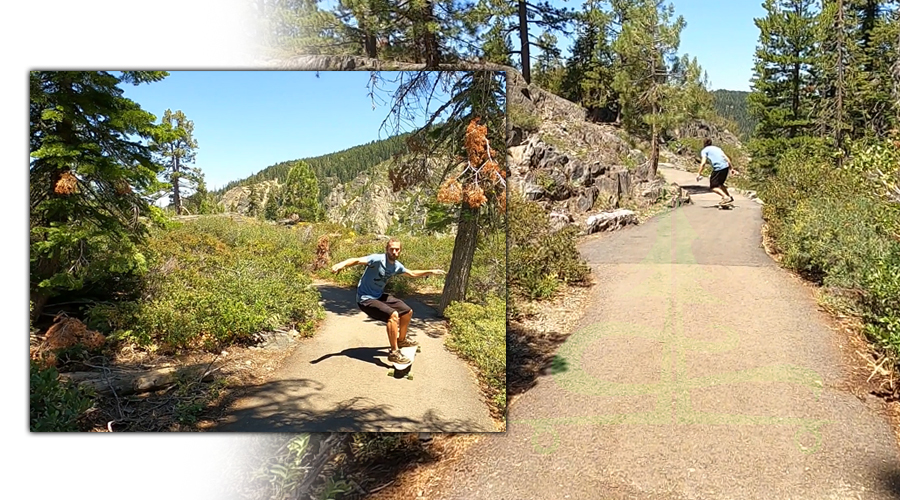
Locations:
{"points": [[267, 251]]}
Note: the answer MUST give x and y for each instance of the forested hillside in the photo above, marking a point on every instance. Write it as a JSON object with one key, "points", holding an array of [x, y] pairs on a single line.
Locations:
{"points": [[343, 166], [732, 104]]}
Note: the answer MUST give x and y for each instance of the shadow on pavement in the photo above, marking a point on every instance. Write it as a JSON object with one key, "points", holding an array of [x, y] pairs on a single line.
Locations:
{"points": [[275, 409], [367, 354], [697, 189], [531, 355], [889, 481], [340, 301]]}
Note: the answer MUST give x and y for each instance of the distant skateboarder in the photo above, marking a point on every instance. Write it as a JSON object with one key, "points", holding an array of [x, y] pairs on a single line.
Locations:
{"points": [[721, 165], [372, 300]]}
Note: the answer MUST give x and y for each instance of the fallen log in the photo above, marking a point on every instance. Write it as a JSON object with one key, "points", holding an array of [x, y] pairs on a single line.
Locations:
{"points": [[125, 383]]}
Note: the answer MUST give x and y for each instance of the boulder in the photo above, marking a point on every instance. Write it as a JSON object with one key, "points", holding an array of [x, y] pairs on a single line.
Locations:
{"points": [[610, 221]]}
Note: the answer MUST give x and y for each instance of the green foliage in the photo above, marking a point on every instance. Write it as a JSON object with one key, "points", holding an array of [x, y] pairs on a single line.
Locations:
{"points": [[214, 282], [783, 81], [882, 301], [281, 471], [829, 224], [56, 406], [176, 147], [300, 193], [540, 259], [646, 48], [478, 334], [90, 169]]}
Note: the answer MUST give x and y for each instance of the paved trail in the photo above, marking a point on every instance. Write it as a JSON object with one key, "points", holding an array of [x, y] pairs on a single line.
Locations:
{"points": [[700, 370], [337, 381]]}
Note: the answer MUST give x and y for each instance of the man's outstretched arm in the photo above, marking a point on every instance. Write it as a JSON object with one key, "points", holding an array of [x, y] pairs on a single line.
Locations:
{"points": [[419, 274], [349, 262]]}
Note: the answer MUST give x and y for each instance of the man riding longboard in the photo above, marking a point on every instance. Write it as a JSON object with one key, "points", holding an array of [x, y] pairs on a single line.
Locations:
{"points": [[721, 165], [372, 300]]}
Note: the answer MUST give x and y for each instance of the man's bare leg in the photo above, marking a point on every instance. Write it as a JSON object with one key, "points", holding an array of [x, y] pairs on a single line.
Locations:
{"points": [[723, 192], [393, 325], [404, 324]]}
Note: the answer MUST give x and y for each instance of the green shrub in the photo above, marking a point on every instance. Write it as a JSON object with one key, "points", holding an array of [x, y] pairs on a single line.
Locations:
{"points": [[840, 227], [540, 259], [56, 406], [478, 334], [214, 282], [882, 284]]}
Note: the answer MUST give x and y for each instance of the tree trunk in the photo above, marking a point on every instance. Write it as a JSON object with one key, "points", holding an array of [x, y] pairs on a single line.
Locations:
{"points": [[654, 112], [432, 50], [176, 189], [523, 36], [839, 86], [369, 41], [457, 279], [124, 384], [654, 146]]}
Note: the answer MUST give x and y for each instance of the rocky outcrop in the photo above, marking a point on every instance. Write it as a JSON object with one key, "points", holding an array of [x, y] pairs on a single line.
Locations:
{"points": [[237, 200], [576, 169], [367, 204]]}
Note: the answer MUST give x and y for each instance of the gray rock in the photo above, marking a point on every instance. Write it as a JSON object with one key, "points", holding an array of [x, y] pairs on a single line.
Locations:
{"points": [[533, 192], [559, 220], [516, 155], [610, 221], [585, 200]]}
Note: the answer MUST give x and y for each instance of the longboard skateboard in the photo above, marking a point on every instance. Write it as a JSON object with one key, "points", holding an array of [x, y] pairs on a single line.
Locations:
{"points": [[404, 369]]}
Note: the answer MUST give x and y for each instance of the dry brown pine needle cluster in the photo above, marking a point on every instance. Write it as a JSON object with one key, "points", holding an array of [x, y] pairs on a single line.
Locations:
{"points": [[485, 170], [66, 332], [66, 183]]}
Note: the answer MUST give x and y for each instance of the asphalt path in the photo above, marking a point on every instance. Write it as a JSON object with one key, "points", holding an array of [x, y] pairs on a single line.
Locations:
{"points": [[699, 370], [337, 381]]}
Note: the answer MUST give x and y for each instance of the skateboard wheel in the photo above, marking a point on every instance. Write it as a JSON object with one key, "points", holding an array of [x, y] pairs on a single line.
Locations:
{"points": [[410, 377], [390, 373]]}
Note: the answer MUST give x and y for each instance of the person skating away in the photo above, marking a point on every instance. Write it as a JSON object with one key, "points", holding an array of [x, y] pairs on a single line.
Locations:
{"points": [[721, 165], [372, 300]]}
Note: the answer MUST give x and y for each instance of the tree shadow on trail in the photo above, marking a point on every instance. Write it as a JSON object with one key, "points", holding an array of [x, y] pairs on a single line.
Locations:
{"points": [[529, 355], [368, 354]]}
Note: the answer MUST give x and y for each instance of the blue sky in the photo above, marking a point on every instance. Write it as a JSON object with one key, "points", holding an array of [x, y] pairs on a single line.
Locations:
{"points": [[720, 33], [245, 121]]}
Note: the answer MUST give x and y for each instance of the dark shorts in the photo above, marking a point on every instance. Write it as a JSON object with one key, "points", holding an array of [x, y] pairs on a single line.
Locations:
{"points": [[382, 308], [717, 178]]}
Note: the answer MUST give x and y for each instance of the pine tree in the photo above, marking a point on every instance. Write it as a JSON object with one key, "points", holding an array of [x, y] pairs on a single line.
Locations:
{"points": [[782, 97], [300, 193], [876, 31], [177, 148], [89, 169], [272, 204], [646, 49], [253, 202], [588, 78]]}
